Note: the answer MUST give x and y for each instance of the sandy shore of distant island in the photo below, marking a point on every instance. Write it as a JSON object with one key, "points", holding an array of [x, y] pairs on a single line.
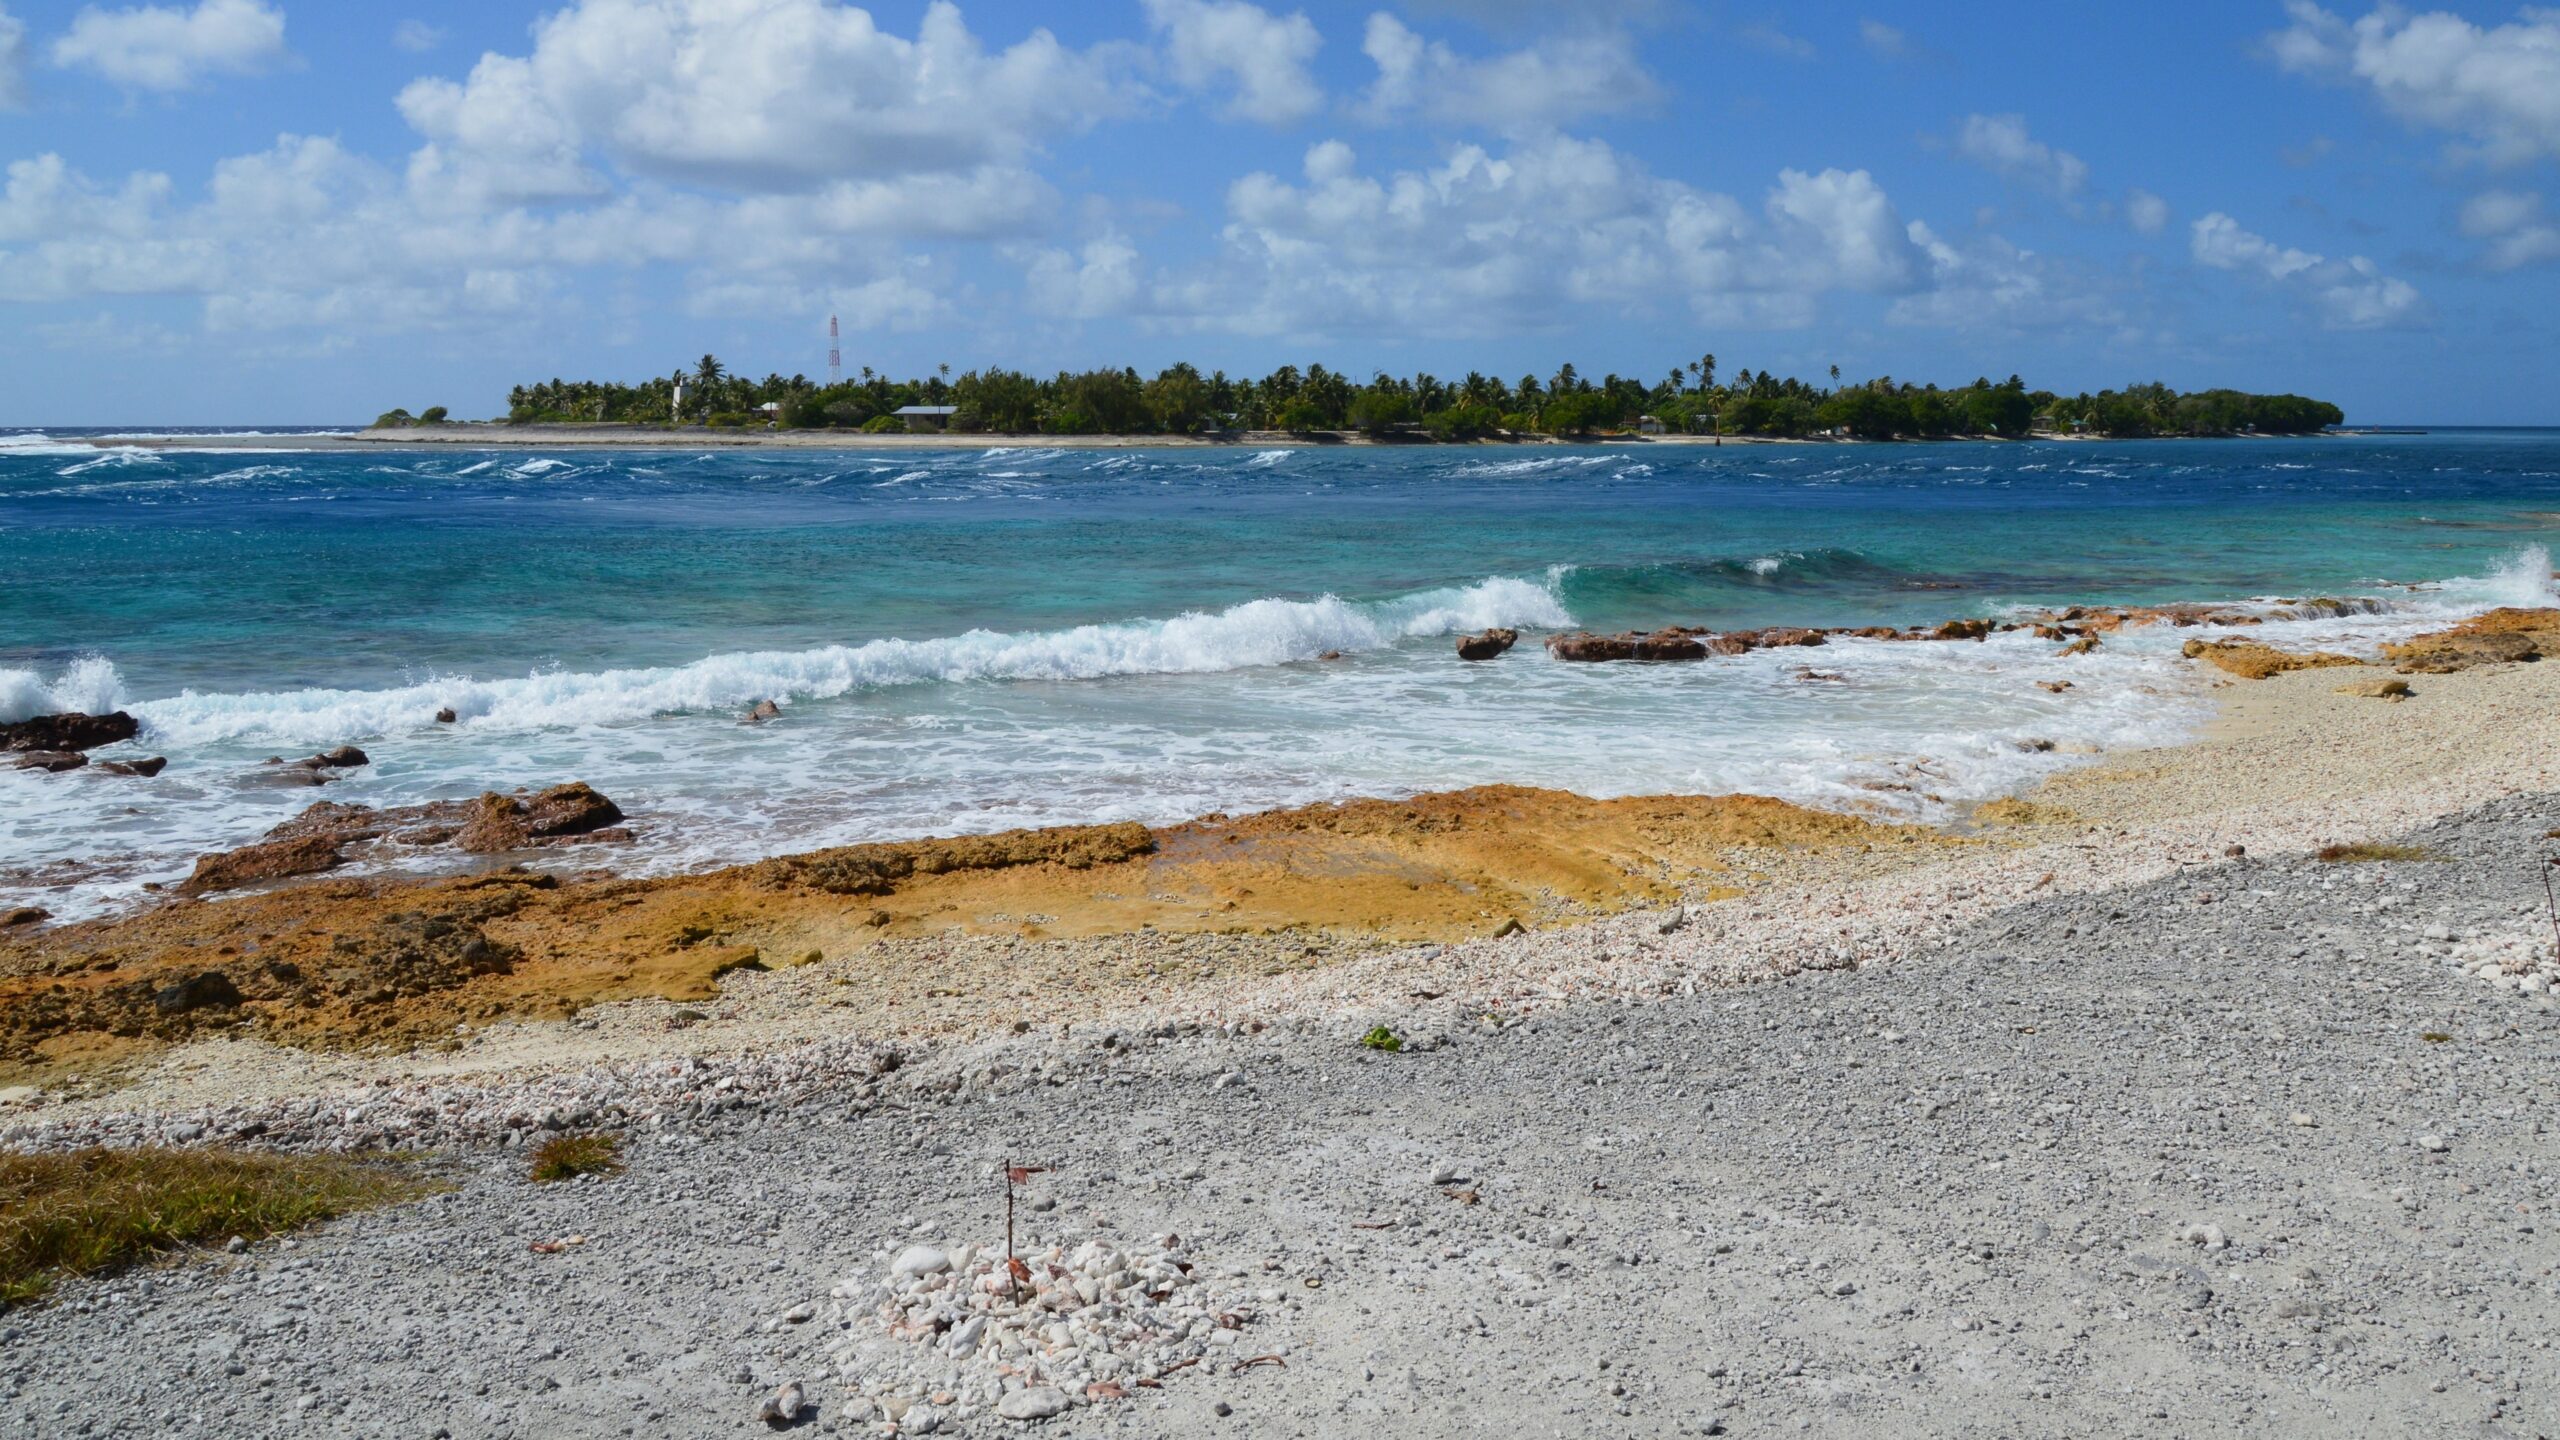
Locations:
{"points": [[668, 437]]}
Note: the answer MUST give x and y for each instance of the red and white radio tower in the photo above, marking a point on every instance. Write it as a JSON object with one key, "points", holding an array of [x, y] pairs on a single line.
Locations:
{"points": [[835, 356]]}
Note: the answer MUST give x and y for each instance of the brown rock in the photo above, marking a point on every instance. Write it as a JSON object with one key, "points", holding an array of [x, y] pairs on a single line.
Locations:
{"points": [[2086, 644], [68, 731], [1673, 644], [2377, 689], [446, 716], [1962, 630], [23, 915], [51, 761], [144, 768], [2252, 661], [1487, 644], [1778, 635], [502, 822], [345, 757], [2056, 686], [210, 990], [762, 711], [1330, 655], [267, 860], [2500, 637]]}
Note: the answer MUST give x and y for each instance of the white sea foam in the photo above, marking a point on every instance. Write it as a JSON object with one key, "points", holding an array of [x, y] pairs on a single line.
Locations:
{"points": [[89, 685], [109, 459], [1265, 459], [1257, 633]]}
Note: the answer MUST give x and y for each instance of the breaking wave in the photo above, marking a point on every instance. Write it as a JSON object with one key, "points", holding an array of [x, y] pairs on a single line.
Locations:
{"points": [[1257, 633]]}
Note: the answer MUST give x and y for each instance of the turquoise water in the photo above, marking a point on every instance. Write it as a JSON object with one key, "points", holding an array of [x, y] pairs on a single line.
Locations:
{"points": [[971, 639]]}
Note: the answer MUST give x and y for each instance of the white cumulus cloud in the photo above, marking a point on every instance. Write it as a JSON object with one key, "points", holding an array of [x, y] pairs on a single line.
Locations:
{"points": [[1884, 41], [1265, 55], [2499, 86], [2513, 223], [1519, 92], [416, 36], [2348, 294], [1536, 237], [2146, 212], [167, 50], [2001, 145], [751, 97]]}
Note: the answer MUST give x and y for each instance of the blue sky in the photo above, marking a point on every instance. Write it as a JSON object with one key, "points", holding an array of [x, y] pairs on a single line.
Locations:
{"points": [[244, 211]]}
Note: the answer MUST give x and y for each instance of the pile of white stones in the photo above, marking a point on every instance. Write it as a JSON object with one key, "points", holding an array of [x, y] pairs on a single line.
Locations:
{"points": [[954, 1334], [2522, 964]]}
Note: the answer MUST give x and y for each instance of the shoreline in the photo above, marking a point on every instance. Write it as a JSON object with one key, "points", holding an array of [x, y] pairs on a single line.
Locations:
{"points": [[1336, 909], [496, 436]]}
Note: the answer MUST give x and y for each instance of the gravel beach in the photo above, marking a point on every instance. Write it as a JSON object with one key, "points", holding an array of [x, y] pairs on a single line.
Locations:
{"points": [[2236, 1151], [2127, 1114]]}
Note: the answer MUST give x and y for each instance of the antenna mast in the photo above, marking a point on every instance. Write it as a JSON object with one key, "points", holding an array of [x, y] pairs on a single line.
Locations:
{"points": [[835, 356]]}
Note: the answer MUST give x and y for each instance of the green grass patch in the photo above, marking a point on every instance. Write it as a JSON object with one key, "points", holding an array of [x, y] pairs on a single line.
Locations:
{"points": [[91, 1211], [566, 1157], [1383, 1038], [2367, 851]]}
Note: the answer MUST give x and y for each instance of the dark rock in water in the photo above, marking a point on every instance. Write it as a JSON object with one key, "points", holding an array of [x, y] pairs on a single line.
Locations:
{"points": [[1330, 655], [23, 915], [345, 757], [446, 716], [1777, 636], [1659, 645], [267, 860], [144, 768], [276, 775], [502, 822], [53, 761], [764, 710], [198, 992], [1962, 630], [1487, 644], [68, 732]]}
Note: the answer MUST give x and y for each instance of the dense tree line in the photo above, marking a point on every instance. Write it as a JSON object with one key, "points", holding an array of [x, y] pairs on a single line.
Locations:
{"points": [[1180, 400]]}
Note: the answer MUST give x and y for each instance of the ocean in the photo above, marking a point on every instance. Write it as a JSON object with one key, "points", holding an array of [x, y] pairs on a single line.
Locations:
{"points": [[976, 639]]}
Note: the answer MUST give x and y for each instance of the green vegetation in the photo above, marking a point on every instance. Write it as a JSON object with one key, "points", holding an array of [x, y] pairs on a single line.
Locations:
{"points": [[395, 419], [96, 1210], [566, 1157], [1690, 399], [1383, 1038]]}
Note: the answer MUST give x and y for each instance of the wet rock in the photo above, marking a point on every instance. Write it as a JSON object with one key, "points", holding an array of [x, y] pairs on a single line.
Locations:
{"points": [[2377, 689], [1781, 636], [23, 915], [145, 768], [70, 731], [345, 757], [2252, 661], [1962, 630], [763, 710], [2501, 637], [1486, 644], [446, 716], [210, 990], [1581, 645], [277, 775], [267, 860], [52, 762], [503, 822]]}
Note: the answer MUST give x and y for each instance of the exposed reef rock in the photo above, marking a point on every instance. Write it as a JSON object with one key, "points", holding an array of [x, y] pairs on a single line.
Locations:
{"points": [[69, 732]]}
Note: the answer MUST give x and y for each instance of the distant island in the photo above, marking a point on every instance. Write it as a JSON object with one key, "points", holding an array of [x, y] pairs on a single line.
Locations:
{"points": [[1182, 402]]}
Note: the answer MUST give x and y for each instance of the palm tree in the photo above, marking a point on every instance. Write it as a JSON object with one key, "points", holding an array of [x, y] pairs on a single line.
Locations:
{"points": [[1835, 377], [1707, 371]]}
